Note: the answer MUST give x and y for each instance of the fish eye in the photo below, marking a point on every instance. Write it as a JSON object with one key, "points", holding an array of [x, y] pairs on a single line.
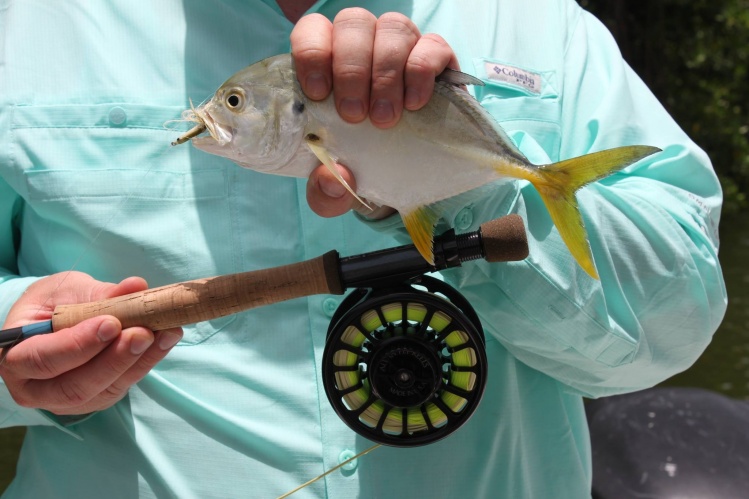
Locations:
{"points": [[234, 100]]}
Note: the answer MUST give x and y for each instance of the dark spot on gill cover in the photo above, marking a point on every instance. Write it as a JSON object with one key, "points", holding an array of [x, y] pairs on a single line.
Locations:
{"points": [[312, 137], [298, 107]]}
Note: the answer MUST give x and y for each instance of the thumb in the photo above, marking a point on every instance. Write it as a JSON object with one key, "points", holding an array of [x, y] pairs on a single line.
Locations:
{"points": [[326, 195]]}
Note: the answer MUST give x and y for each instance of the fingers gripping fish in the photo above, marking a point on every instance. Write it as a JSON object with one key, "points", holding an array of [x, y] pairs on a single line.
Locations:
{"points": [[261, 119]]}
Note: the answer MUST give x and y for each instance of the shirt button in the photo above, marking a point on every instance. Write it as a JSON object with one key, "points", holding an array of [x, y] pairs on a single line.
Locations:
{"points": [[117, 117], [329, 306], [464, 219], [345, 455]]}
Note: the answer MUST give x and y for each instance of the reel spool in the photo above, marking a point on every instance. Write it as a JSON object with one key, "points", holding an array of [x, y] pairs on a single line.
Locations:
{"points": [[404, 366]]}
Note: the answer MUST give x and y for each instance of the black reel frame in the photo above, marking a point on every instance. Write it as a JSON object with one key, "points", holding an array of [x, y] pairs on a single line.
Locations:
{"points": [[405, 366]]}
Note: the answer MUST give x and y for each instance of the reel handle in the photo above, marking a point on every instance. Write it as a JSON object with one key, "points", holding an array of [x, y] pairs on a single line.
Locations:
{"points": [[204, 299]]}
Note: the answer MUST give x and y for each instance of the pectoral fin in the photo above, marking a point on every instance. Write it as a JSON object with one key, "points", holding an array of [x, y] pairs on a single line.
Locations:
{"points": [[315, 145], [420, 226]]}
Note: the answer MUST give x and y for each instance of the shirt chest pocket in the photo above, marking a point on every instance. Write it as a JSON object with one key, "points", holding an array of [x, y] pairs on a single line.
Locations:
{"points": [[106, 193], [526, 103]]}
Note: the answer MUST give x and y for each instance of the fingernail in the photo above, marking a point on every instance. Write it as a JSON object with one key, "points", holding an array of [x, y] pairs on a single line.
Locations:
{"points": [[331, 187], [140, 343], [107, 331], [316, 86], [352, 109], [382, 111], [411, 99], [168, 340]]}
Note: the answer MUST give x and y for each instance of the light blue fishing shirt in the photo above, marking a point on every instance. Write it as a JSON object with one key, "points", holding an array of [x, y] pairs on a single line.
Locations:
{"points": [[89, 181]]}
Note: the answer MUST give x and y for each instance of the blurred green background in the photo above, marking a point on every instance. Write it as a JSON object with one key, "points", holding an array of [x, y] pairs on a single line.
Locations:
{"points": [[694, 55]]}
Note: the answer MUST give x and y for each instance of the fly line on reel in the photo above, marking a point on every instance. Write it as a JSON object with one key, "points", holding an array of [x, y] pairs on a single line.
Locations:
{"points": [[405, 366]]}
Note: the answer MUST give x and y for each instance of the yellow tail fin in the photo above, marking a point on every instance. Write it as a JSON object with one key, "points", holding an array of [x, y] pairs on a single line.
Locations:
{"points": [[558, 182]]}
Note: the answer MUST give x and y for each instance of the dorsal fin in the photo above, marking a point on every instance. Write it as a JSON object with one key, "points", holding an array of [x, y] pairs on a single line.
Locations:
{"points": [[481, 117], [454, 77]]}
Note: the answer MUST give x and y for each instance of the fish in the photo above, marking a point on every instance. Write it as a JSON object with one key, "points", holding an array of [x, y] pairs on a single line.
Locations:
{"points": [[261, 119]]}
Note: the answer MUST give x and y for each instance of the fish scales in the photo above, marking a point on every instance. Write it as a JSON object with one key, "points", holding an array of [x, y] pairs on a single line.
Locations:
{"points": [[260, 119]]}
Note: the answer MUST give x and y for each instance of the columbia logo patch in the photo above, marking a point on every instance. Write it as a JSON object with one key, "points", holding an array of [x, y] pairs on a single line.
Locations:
{"points": [[513, 76]]}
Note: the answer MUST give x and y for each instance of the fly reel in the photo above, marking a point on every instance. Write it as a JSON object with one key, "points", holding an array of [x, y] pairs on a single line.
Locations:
{"points": [[404, 361], [405, 366]]}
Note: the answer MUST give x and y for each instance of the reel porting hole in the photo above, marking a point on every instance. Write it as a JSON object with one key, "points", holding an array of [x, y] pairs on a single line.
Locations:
{"points": [[404, 366]]}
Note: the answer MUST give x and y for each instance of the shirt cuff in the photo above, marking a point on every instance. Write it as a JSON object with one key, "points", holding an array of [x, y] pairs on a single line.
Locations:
{"points": [[11, 289], [11, 414]]}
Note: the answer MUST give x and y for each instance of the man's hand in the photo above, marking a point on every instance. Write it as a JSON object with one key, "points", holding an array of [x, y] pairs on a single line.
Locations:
{"points": [[85, 368], [375, 68]]}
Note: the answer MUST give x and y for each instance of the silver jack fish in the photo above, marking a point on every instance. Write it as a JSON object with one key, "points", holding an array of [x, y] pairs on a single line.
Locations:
{"points": [[261, 119]]}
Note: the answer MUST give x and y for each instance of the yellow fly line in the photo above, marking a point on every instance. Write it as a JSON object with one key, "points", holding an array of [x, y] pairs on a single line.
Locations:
{"points": [[415, 421]]}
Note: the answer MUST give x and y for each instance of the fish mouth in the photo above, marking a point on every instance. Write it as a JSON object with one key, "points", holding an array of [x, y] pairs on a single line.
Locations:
{"points": [[217, 133]]}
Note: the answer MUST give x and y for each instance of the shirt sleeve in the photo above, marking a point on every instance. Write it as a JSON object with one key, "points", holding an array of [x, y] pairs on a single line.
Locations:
{"points": [[653, 229], [12, 286]]}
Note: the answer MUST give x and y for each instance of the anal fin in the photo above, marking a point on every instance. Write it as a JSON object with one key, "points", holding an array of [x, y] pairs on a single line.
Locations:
{"points": [[420, 226]]}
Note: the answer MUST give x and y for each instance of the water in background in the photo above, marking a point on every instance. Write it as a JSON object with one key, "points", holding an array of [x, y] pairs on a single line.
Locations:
{"points": [[724, 367]]}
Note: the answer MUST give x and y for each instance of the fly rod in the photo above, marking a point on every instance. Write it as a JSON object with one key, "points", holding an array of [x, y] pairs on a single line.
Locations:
{"points": [[183, 303]]}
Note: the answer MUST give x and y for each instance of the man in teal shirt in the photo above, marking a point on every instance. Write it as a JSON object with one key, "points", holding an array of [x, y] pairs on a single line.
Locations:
{"points": [[237, 408]]}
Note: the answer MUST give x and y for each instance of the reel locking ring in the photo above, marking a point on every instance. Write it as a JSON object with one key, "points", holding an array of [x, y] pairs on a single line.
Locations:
{"points": [[404, 366]]}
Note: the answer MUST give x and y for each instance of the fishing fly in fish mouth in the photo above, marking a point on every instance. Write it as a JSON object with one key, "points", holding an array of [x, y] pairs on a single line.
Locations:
{"points": [[260, 119]]}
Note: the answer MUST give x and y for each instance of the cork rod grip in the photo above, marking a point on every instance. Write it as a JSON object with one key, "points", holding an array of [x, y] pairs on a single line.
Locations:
{"points": [[204, 299]]}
